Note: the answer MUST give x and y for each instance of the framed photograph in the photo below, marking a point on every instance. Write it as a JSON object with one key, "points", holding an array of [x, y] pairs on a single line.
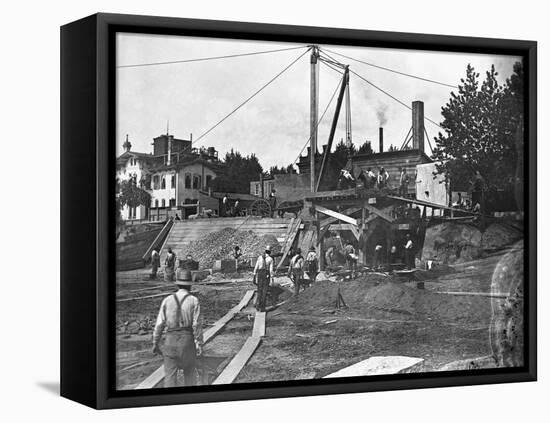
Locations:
{"points": [[256, 211]]}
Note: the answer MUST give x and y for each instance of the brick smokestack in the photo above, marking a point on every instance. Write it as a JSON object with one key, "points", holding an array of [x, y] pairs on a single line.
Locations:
{"points": [[380, 140], [418, 125]]}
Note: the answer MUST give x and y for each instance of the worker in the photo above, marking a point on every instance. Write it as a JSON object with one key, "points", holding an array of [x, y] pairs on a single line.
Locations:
{"points": [[478, 185], [383, 177], [409, 254], [155, 262], [312, 264], [225, 205], [371, 177], [272, 201], [180, 315], [169, 265], [237, 252], [296, 270], [329, 256], [263, 276], [377, 256], [393, 255], [403, 182], [177, 217], [237, 208], [351, 258]]}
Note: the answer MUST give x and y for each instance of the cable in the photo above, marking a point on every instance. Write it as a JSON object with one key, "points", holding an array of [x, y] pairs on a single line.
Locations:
{"points": [[393, 98], [249, 98], [208, 58], [319, 121], [330, 66], [393, 70]]}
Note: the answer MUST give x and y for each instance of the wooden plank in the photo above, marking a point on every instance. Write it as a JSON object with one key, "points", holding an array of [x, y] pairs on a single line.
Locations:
{"points": [[477, 294], [212, 331], [259, 324], [379, 213], [347, 212], [322, 234], [337, 215], [380, 366], [230, 373], [156, 377], [433, 205], [337, 193], [290, 242]]}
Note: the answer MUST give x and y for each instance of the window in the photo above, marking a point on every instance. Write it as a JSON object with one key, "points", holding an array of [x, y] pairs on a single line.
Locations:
{"points": [[156, 182], [156, 203], [208, 180], [172, 202], [196, 182], [187, 180], [173, 181], [163, 183], [163, 202], [257, 189]]}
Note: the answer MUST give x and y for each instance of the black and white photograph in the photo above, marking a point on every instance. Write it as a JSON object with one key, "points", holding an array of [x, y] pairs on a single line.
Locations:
{"points": [[297, 211]]}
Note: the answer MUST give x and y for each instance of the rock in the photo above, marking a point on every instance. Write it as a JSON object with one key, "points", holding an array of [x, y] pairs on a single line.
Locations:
{"points": [[506, 329], [497, 236], [450, 243]]}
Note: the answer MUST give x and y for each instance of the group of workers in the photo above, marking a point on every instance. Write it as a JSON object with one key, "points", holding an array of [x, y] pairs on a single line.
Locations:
{"points": [[370, 179], [179, 317]]}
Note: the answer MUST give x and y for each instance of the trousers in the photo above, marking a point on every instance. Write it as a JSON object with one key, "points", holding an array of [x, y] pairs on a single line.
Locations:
{"points": [[262, 279], [179, 353]]}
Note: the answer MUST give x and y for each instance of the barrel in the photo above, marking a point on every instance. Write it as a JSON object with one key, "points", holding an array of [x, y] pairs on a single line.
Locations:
{"points": [[184, 274]]}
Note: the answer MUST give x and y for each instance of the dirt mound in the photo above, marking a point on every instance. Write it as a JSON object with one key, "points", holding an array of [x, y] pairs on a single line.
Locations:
{"points": [[219, 245], [497, 236], [382, 298], [452, 243]]}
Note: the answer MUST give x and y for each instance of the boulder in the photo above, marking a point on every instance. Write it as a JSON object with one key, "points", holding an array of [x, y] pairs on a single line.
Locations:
{"points": [[497, 236], [506, 329], [450, 243]]}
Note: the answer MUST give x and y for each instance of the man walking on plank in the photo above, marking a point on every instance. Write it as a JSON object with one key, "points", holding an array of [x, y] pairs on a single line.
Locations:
{"points": [[263, 275], [180, 314]]}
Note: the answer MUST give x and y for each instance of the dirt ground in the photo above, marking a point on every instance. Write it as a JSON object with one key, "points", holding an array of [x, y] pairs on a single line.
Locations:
{"points": [[307, 337]]}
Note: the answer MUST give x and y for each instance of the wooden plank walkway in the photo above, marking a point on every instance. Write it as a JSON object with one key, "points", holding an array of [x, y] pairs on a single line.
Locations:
{"points": [[156, 377], [230, 373]]}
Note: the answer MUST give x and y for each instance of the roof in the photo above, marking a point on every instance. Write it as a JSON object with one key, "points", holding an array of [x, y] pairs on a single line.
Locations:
{"points": [[186, 162]]}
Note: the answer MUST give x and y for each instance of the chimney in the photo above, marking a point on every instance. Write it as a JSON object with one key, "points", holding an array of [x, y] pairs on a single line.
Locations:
{"points": [[418, 125], [127, 145], [169, 158], [380, 139]]}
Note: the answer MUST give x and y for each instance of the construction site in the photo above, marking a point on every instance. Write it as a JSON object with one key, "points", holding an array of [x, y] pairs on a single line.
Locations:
{"points": [[408, 277]]}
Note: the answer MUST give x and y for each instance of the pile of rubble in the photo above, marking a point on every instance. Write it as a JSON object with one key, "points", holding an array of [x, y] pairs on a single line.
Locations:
{"points": [[220, 245]]}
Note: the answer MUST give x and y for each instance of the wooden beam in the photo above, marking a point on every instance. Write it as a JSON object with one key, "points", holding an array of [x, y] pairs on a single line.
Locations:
{"points": [[230, 373], [158, 375], [289, 243], [379, 213], [337, 215], [380, 366], [347, 212], [322, 233]]}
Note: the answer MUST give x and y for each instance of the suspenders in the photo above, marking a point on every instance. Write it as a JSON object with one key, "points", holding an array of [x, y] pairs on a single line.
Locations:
{"points": [[179, 317]]}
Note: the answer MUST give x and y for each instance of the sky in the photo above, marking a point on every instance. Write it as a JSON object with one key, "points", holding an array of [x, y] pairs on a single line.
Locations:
{"points": [[189, 98]]}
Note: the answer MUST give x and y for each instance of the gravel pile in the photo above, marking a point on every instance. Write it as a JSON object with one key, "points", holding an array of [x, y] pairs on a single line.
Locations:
{"points": [[220, 245]]}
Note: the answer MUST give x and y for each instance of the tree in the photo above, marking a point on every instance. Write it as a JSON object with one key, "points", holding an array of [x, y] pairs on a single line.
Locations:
{"points": [[480, 123], [365, 148], [237, 171], [129, 194]]}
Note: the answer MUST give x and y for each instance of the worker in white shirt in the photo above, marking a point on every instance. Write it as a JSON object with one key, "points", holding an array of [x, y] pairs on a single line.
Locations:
{"points": [[377, 257], [263, 276], [409, 254], [180, 315], [296, 270]]}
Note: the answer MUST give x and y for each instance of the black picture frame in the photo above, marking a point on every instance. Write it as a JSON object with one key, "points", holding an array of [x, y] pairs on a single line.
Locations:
{"points": [[87, 217]]}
